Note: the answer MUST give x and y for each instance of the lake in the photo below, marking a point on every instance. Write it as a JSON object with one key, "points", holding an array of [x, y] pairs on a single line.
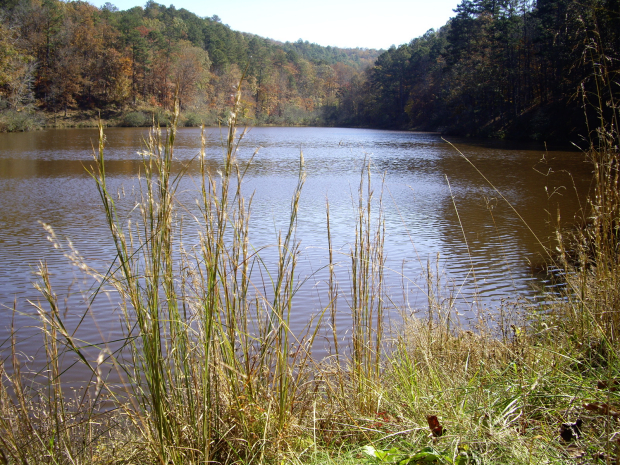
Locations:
{"points": [[440, 214]]}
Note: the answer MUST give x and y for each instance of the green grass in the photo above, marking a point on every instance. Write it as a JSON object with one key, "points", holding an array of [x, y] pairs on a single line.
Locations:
{"points": [[213, 374]]}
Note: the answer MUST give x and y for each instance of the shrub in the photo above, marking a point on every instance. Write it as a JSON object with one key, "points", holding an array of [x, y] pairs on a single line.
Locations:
{"points": [[19, 121], [193, 120], [161, 118], [136, 119]]}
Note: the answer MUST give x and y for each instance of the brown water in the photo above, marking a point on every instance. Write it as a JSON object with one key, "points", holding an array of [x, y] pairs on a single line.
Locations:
{"points": [[438, 210]]}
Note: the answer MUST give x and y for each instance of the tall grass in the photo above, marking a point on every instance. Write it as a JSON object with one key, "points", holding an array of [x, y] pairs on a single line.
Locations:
{"points": [[210, 368], [205, 350], [591, 253], [367, 299]]}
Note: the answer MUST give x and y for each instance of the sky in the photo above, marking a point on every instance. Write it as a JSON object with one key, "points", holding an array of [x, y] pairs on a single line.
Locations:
{"points": [[339, 23]]}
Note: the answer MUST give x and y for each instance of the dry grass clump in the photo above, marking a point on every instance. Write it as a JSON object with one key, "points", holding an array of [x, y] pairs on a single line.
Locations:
{"points": [[595, 279], [593, 262], [42, 421]]}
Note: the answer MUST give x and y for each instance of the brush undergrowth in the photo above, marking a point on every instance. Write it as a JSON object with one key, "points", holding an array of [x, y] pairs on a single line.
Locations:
{"points": [[19, 121], [211, 372]]}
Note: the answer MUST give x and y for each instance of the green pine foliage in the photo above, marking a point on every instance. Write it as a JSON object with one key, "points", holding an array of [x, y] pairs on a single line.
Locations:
{"points": [[501, 68]]}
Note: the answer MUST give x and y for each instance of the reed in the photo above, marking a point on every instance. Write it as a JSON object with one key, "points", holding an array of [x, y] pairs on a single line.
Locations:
{"points": [[367, 299], [205, 351]]}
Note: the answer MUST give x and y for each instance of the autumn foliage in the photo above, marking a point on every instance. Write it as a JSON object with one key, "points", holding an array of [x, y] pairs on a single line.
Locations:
{"points": [[64, 56]]}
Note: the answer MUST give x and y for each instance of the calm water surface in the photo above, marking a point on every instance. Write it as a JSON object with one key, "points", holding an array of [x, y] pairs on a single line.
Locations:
{"points": [[438, 210]]}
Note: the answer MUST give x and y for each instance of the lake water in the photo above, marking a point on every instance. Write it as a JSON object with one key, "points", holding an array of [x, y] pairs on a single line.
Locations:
{"points": [[439, 212]]}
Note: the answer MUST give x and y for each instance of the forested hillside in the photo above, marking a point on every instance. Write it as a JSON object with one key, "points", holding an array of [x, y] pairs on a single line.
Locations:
{"points": [[61, 57], [502, 68]]}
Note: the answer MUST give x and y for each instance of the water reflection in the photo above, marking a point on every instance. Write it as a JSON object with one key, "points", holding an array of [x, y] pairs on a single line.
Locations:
{"points": [[438, 210]]}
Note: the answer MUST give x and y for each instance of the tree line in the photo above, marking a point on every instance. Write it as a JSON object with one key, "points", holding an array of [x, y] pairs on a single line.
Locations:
{"points": [[58, 56], [501, 68]]}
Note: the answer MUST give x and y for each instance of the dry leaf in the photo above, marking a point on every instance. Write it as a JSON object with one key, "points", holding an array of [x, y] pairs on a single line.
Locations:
{"points": [[612, 384], [434, 425], [602, 409]]}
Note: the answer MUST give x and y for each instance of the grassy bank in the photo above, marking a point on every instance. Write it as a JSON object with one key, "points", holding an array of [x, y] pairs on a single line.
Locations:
{"points": [[20, 121], [212, 373], [139, 116]]}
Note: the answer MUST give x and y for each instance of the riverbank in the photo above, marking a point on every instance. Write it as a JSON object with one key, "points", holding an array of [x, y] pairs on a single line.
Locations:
{"points": [[143, 116], [212, 372], [139, 116]]}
